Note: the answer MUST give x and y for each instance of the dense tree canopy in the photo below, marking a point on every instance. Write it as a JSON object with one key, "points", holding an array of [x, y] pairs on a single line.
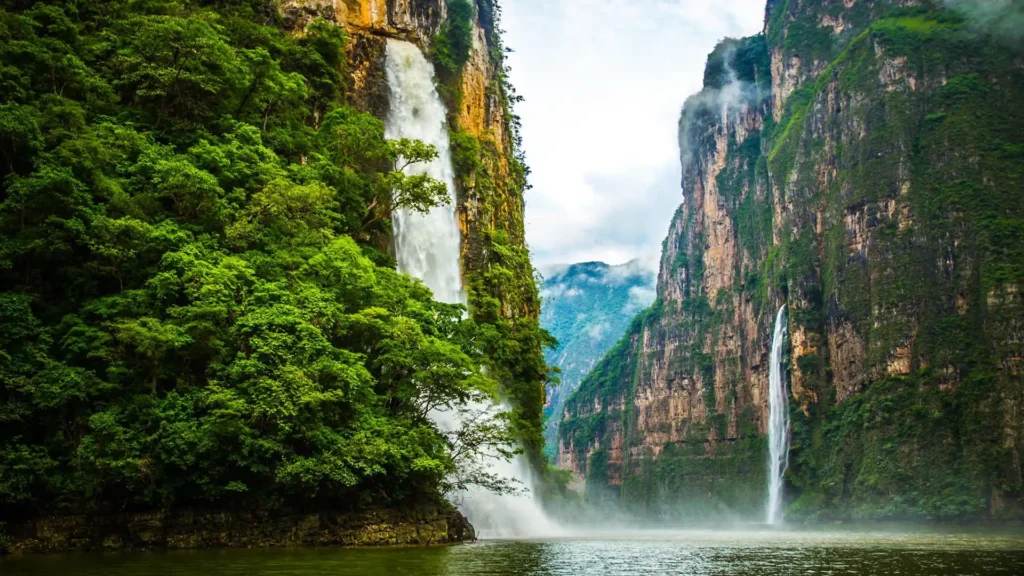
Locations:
{"points": [[192, 310]]}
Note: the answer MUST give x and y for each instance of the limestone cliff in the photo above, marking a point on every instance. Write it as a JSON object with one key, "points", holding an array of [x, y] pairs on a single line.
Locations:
{"points": [[685, 392], [859, 163], [489, 166]]}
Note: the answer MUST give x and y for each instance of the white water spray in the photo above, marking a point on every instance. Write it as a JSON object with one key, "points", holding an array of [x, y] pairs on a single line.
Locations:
{"points": [[778, 422], [427, 247]]}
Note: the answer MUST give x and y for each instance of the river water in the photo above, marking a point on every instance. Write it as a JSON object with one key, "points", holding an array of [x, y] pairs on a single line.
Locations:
{"points": [[720, 553]]}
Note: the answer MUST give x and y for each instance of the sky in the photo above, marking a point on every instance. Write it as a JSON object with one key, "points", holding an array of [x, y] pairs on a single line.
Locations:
{"points": [[603, 82]]}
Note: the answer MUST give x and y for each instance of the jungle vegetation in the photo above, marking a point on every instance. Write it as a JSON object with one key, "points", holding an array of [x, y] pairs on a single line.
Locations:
{"points": [[197, 307]]}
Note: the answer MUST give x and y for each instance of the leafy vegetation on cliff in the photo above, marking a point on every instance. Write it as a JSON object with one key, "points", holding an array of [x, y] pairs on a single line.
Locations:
{"points": [[888, 218], [930, 430], [194, 310], [453, 43], [491, 178]]}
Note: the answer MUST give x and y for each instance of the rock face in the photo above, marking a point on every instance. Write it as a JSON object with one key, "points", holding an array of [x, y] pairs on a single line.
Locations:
{"points": [[681, 402], [490, 176], [489, 195], [413, 20], [856, 163], [587, 308], [191, 530]]}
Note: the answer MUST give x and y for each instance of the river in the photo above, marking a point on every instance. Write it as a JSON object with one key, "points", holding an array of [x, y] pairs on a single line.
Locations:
{"points": [[721, 553]]}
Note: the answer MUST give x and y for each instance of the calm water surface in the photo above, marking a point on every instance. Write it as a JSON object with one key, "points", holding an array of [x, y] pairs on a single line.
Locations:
{"points": [[717, 553]]}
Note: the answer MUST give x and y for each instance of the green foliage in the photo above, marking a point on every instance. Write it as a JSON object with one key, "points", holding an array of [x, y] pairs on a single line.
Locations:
{"points": [[491, 176], [453, 43], [686, 481], [512, 338], [191, 308], [781, 157], [898, 452], [597, 492], [466, 154], [805, 37]]}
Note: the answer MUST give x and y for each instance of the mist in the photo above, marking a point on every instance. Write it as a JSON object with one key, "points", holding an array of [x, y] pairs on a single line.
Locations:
{"points": [[1003, 19]]}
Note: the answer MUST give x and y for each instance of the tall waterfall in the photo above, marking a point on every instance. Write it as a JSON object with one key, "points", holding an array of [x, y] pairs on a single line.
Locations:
{"points": [[427, 247], [778, 422]]}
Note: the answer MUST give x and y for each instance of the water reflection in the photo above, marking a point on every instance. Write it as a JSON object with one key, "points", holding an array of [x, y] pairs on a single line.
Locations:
{"points": [[713, 552]]}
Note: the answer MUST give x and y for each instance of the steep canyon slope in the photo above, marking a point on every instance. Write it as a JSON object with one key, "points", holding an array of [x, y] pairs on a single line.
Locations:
{"points": [[587, 307], [859, 162], [463, 40]]}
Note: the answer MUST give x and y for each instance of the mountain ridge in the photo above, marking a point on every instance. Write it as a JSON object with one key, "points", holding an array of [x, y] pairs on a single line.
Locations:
{"points": [[586, 306]]}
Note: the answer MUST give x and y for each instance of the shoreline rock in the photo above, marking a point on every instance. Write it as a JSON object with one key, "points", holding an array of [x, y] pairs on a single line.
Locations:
{"points": [[186, 529]]}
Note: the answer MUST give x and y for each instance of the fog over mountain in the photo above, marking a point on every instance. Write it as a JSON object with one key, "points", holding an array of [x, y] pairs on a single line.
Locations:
{"points": [[587, 307]]}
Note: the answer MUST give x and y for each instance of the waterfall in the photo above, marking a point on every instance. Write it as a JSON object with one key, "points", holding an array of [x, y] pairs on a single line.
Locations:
{"points": [[778, 422], [427, 247]]}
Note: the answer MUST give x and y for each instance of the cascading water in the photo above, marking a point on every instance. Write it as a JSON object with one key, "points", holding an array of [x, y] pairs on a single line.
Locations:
{"points": [[427, 247], [778, 422]]}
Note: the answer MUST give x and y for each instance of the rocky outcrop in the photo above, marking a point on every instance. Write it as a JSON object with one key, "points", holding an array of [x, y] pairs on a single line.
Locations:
{"points": [[413, 20], [489, 197], [369, 23], [192, 530], [853, 163]]}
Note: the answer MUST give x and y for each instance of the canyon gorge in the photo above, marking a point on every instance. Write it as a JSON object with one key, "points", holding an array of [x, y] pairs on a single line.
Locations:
{"points": [[858, 163], [265, 281]]}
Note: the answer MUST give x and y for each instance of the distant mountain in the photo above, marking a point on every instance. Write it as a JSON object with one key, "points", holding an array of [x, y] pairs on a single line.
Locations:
{"points": [[588, 307]]}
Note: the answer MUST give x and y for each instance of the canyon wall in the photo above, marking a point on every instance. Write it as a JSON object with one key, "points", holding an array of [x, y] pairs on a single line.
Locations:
{"points": [[486, 155], [860, 163]]}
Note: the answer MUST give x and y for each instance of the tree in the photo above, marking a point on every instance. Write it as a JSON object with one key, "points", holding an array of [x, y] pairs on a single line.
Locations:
{"points": [[356, 141], [192, 310]]}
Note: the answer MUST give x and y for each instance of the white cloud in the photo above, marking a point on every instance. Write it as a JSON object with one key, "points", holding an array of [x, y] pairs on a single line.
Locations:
{"points": [[1003, 18], [559, 290], [604, 81], [553, 291], [618, 275], [640, 297], [596, 331]]}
